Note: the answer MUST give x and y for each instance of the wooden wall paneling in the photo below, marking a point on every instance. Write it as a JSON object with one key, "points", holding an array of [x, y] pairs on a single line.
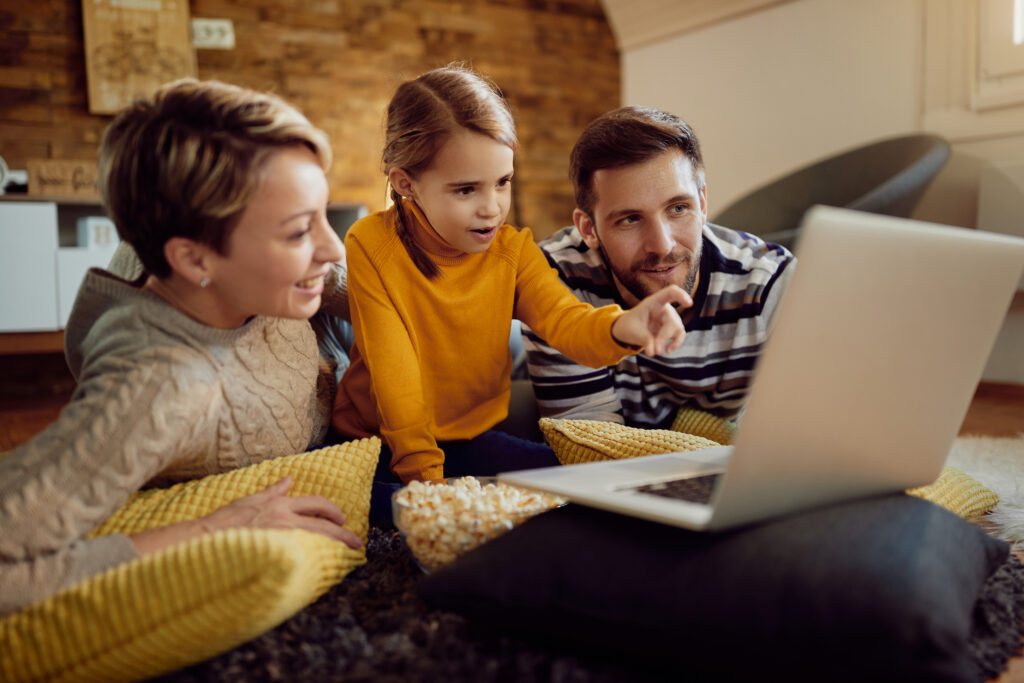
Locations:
{"points": [[339, 61]]}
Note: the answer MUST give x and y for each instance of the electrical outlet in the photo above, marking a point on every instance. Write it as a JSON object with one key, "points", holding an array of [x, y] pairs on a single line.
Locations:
{"points": [[213, 34]]}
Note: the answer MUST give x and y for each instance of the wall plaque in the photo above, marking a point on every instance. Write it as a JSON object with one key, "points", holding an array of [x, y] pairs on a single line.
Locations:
{"points": [[62, 178], [132, 47]]}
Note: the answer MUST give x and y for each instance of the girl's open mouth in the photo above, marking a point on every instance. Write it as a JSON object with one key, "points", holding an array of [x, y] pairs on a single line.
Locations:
{"points": [[484, 233]]}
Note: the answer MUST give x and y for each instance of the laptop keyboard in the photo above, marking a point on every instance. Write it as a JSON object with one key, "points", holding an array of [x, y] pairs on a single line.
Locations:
{"points": [[692, 489]]}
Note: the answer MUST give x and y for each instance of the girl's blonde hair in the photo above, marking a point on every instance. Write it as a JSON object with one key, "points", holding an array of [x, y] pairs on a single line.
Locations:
{"points": [[187, 161], [423, 113]]}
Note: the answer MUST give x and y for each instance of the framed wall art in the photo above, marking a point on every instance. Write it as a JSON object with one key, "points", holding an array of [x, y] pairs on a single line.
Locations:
{"points": [[132, 47]]}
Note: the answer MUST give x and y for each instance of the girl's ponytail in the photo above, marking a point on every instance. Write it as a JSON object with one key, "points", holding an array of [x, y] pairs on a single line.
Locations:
{"points": [[418, 256]]}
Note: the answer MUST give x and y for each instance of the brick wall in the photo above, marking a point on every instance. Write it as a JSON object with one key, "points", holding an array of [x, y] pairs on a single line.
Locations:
{"points": [[339, 61]]}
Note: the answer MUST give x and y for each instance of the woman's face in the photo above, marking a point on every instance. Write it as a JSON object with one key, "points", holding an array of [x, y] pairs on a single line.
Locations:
{"points": [[282, 247]]}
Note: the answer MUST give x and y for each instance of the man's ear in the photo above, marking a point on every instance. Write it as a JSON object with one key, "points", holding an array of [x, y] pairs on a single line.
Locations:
{"points": [[586, 227], [189, 259], [704, 201], [401, 182]]}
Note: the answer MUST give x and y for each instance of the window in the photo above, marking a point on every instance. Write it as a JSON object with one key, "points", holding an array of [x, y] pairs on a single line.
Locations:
{"points": [[1018, 22], [1000, 75], [973, 85]]}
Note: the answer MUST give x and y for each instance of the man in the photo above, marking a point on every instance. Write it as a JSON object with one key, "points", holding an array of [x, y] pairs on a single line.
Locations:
{"points": [[641, 224]]}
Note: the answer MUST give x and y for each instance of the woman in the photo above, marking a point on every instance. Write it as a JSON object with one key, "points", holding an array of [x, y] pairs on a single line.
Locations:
{"points": [[207, 361]]}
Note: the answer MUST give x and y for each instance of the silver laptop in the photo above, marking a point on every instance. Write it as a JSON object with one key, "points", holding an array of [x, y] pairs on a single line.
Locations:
{"points": [[877, 348]]}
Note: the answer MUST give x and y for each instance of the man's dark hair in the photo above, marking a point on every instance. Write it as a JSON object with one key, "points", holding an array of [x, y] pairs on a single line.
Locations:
{"points": [[625, 136]]}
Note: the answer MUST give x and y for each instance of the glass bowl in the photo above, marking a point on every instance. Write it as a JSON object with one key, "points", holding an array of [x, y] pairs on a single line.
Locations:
{"points": [[440, 521]]}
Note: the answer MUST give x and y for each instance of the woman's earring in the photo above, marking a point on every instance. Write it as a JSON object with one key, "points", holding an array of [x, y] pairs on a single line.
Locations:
{"points": [[204, 282]]}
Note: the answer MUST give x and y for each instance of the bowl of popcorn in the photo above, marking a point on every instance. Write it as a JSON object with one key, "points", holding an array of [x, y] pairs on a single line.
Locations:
{"points": [[442, 520]]}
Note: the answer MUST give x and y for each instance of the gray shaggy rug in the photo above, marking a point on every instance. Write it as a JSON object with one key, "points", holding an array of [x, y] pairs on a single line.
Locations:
{"points": [[998, 463], [373, 627]]}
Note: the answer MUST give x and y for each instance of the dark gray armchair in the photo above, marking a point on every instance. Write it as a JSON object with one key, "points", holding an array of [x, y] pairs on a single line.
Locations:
{"points": [[888, 177]]}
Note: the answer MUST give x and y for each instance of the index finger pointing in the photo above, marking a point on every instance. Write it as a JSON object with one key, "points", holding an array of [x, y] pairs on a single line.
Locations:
{"points": [[674, 294]]}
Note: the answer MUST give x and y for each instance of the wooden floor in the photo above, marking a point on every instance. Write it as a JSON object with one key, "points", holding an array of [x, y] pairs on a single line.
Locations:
{"points": [[23, 417], [997, 410]]}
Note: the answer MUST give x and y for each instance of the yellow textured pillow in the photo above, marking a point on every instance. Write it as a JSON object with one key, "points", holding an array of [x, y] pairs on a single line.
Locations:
{"points": [[341, 473], [172, 608], [958, 492], [578, 441], [701, 423], [197, 599]]}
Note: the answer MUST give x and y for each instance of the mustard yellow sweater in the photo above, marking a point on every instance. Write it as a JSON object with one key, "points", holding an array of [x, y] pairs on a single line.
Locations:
{"points": [[431, 360]]}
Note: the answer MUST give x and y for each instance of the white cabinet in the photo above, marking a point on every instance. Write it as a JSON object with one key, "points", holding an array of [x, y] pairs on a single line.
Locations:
{"points": [[28, 266], [43, 258], [40, 265]]}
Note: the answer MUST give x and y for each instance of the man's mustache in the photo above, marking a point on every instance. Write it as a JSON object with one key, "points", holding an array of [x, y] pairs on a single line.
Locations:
{"points": [[652, 261]]}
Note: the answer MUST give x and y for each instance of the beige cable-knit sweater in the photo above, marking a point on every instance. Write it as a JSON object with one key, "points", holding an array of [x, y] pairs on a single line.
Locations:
{"points": [[160, 397]]}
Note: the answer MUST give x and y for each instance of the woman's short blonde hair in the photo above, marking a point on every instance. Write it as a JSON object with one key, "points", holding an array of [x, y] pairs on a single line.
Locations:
{"points": [[186, 162]]}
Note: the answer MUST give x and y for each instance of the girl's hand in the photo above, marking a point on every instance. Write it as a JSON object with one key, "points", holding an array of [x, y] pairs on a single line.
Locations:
{"points": [[654, 324], [268, 509]]}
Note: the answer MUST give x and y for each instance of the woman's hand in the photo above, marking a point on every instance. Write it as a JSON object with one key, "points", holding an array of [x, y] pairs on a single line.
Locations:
{"points": [[654, 324], [270, 508]]}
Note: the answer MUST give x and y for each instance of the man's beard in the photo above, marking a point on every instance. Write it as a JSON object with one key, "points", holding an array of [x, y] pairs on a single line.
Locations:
{"points": [[630, 279]]}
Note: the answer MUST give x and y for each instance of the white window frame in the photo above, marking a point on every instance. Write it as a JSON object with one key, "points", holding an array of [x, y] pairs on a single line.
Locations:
{"points": [[973, 84], [1000, 70]]}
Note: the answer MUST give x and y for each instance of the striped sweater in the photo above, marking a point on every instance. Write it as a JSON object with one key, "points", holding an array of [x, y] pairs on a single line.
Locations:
{"points": [[741, 281]]}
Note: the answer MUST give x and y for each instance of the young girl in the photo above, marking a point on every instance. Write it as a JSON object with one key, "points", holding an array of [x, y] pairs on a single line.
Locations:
{"points": [[435, 281]]}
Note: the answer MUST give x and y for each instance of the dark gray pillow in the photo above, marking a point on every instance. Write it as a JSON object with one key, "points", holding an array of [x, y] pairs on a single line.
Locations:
{"points": [[877, 589]]}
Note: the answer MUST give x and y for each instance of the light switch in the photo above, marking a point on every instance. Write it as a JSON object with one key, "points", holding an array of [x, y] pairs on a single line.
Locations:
{"points": [[213, 34]]}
